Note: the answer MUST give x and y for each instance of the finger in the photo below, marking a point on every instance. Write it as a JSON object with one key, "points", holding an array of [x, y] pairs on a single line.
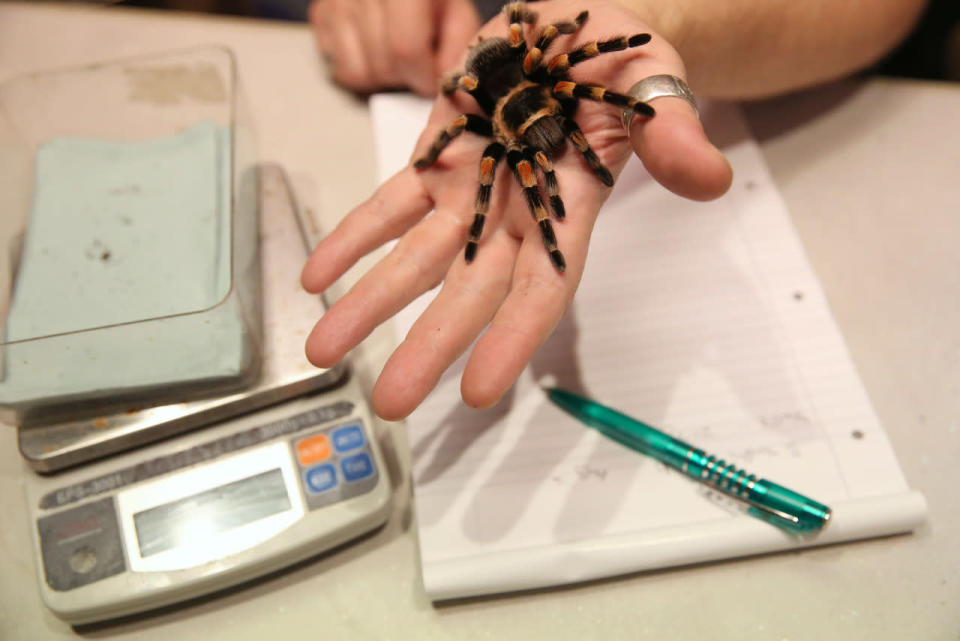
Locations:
{"points": [[368, 18], [672, 144], [465, 304], [538, 298], [416, 264], [395, 207], [458, 24], [351, 68], [410, 36], [318, 16], [675, 150]]}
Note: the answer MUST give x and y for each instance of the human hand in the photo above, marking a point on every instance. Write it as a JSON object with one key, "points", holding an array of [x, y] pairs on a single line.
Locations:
{"points": [[388, 44], [511, 293]]}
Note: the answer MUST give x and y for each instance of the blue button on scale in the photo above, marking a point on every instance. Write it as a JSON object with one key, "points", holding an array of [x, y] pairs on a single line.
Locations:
{"points": [[356, 467], [348, 438], [321, 478]]}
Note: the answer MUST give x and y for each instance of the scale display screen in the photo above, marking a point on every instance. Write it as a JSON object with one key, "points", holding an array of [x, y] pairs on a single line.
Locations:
{"points": [[200, 516]]}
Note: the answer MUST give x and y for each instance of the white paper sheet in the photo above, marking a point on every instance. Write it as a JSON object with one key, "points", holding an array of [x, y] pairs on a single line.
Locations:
{"points": [[705, 320]]}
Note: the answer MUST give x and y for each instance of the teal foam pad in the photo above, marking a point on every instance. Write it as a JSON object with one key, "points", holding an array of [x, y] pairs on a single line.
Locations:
{"points": [[128, 244]]}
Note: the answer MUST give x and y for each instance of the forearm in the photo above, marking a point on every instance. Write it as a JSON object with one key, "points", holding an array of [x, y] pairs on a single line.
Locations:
{"points": [[749, 49]]}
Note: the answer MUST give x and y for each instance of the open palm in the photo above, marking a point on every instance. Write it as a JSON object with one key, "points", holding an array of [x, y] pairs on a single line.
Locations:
{"points": [[511, 293]]}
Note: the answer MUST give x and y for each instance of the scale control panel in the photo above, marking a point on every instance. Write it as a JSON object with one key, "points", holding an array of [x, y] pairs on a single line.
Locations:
{"points": [[180, 519]]}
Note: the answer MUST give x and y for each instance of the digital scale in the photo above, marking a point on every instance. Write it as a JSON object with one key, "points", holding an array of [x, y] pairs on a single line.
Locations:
{"points": [[138, 509]]}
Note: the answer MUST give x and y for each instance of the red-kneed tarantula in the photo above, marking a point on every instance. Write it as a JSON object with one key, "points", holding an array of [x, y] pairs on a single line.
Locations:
{"points": [[530, 108]]}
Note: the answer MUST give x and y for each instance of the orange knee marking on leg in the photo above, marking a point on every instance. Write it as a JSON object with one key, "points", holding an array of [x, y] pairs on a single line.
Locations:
{"points": [[550, 31], [516, 35], [560, 63], [578, 140], [543, 161], [590, 49], [468, 83], [540, 213], [486, 171], [526, 174], [532, 59], [564, 88], [457, 125], [596, 93]]}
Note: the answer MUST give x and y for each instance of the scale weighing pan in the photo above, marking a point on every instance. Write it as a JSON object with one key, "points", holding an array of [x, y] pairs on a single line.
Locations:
{"points": [[288, 314], [129, 268]]}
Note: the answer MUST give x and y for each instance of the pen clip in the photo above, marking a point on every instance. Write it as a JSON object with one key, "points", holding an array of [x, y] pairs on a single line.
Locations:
{"points": [[768, 513], [765, 512]]}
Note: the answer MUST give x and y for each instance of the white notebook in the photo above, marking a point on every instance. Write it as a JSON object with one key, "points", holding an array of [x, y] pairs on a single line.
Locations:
{"points": [[704, 320]]}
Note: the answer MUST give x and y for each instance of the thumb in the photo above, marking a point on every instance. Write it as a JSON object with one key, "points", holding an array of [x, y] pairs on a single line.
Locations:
{"points": [[675, 150]]}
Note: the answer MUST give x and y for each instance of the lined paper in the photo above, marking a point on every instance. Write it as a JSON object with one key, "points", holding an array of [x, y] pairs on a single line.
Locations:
{"points": [[703, 319]]}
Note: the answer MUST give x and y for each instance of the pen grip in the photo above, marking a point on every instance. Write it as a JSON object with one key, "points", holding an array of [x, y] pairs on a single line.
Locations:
{"points": [[769, 501], [718, 473]]}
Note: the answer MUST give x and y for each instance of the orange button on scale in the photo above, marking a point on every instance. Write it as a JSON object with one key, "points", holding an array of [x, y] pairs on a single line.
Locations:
{"points": [[313, 449]]}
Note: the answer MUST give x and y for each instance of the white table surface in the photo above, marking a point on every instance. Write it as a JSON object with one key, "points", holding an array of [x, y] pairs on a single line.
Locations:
{"points": [[871, 174]]}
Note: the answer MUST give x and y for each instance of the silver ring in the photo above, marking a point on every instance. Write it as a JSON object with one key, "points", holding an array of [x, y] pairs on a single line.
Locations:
{"points": [[653, 87]]}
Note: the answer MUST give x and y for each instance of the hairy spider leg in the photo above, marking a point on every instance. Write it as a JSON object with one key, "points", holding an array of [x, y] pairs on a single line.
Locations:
{"points": [[451, 82], [469, 122], [547, 35], [519, 162], [561, 63], [469, 83], [570, 89], [579, 141], [550, 182], [518, 14], [488, 167], [549, 32]]}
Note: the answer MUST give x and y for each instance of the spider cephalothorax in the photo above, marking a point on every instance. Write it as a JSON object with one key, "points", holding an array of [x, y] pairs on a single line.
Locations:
{"points": [[530, 108]]}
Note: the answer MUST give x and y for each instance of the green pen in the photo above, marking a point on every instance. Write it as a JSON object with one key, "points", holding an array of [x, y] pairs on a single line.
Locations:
{"points": [[765, 500]]}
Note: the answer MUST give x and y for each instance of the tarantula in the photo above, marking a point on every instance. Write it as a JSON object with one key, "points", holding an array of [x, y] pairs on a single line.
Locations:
{"points": [[530, 108]]}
